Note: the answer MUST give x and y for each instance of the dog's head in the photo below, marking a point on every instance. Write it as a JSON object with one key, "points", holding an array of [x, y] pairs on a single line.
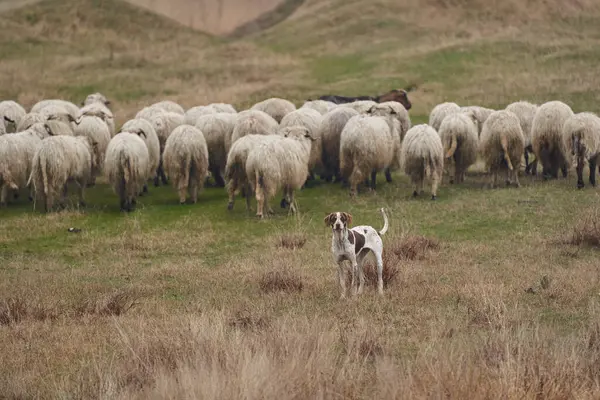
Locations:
{"points": [[338, 220]]}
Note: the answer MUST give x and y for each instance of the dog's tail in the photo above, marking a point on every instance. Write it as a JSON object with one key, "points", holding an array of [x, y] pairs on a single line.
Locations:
{"points": [[385, 223]]}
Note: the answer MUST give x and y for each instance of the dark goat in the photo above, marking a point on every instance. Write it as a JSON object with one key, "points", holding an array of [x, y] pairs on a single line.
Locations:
{"points": [[343, 99], [399, 95]]}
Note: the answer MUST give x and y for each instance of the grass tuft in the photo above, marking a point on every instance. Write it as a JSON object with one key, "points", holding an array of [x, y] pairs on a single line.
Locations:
{"points": [[110, 304], [587, 231], [281, 279], [291, 241], [14, 310]]}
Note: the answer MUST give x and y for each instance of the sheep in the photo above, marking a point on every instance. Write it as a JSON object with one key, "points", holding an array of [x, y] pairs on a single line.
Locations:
{"points": [[501, 145], [277, 164], [100, 110], [440, 112], [525, 111], [186, 161], [275, 107], [59, 160], [546, 138], [322, 106], [10, 115], [253, 122], [362, 106], [192, 115], [235, 169], [126, 167], [95, 98], [311, 120], [459, 136], [217, 130], [96, 129], [28, 120], [223, 108], [366, 147], [423, 156], [332, 98], [145, 130], [16, 156], [480, 114], [3, 127], [330, 131], [397, 95], [61, 124], [581, 136], [54, 106], [169, 106]]}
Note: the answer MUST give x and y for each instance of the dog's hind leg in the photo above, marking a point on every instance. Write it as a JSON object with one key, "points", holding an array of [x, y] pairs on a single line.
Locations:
{"points": [[342, 279], [361, 276], [379, 272]]}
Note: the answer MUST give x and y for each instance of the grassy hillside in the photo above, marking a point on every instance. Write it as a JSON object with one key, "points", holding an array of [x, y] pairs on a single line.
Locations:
{"points": [[495, 292]]}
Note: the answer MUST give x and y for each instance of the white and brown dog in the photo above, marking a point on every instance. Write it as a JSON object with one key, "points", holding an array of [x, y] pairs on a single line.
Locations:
{"points": [[354, 245]]}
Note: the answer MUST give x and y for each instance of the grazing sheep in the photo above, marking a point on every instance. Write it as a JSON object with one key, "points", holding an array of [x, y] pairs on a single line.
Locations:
{"points": [[97, 130], [223, 108], [235, 169], [501, 145], [126, 167], [145, 130], [277, 164], [525, 111], [311, 120], [275, 107], [366, 147], [54, 106], [253, 122], [95, 98], [480, 114], [61, 124], [423, 156], [192, 115], [458, 133], [546, 138], [3, 127], [440, 112], [100, 110], [28, 120], [581, 136], [322, 106], [10, 115], [16, 156], [163, 123], [186, 161], [362, 106], [217, 130], [59, 160], [169, 106], [330, 132]]}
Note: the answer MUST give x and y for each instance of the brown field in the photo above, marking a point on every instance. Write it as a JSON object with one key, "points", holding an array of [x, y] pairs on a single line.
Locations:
{"points": [[489, 293]]}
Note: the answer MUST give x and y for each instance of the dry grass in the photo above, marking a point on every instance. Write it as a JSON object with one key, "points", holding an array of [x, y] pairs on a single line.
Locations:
{"points": [[291, 241], [281, 279], [587, 231]]}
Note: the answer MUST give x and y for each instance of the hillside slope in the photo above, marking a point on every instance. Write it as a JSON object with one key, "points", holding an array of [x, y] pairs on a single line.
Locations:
{"points": [[461, 50]]}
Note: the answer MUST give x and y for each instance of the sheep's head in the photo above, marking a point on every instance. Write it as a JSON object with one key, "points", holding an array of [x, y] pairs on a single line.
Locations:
{"points": [[159, 125], [141, 133], [381, 110], [398, 95], [473, 117], [297, 132], [95, 98]]}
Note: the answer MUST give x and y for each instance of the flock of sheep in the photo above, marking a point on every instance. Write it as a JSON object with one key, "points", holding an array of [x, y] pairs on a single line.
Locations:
{"points": [[275, 146]]}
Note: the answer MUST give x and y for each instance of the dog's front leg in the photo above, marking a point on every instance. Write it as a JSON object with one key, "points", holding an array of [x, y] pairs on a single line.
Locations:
{"points": [[342, 279], [361, 275]]}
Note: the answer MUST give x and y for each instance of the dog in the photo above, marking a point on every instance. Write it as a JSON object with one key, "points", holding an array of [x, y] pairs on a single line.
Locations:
{"points": [[354, 245]]}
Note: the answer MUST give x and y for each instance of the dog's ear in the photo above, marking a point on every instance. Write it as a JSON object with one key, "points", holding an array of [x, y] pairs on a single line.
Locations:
{"points": [[329, 219], [347, 218]]}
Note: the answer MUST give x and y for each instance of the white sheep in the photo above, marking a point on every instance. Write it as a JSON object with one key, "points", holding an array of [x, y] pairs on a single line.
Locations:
{"points": [[169, 106], [253, 122], [28, 120], [61, 124], [440, 112], [581, 136], [525, 111], [460, 140], [501, 146], [480, 113], [100, 110], [53, 106], [217, 130], [362, 106], [235, 169], [330, 131], [186, 161], [59, 160], [423, 157], [98, 131], [366, 147], [145, 130], [546, 138], [223, 108], [16, 156], [311, 120], [276, 164], [192, 115], [322, 106], [126, 167], [95, 98], [277, 108], [11, 113]]}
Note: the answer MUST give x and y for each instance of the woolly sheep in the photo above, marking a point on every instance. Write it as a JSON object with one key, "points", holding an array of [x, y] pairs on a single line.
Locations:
{"points": [[95, 98], [480, 113], [546, 138], [581, 136], [98, 131], [217, 130], [28, 120], [423, 156], [163, 123], [58, 160], [52, 106], [186, 161], [501, 145], [100, 110], [126, 167], [3, 127], [322, 106], [525, 111], [16, 156], [235, 169], [277, 164], [458, 133], [145, 130], [330, 131], [362, 106], [253, 122], [192, 115], [311, 120], [61, 124], [440, 112], [11, 113], [366, 147], [275, 107], [223, 108], [169, 106]]}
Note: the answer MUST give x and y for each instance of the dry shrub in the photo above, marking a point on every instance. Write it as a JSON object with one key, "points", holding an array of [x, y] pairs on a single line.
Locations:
{"points": [[281, 279], [291, 241], [587, 231], [391, 268], [16, 309], [114, 303], [246, 319], [412, 247]]}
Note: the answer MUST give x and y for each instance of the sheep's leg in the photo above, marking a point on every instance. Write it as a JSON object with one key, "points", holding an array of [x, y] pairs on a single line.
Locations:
{"points": [[373, 180], [494, 178], [182, 190], [564, 169], [415, 181], [161, 172], [80, 191], [194, 190], [4, 196], [388, 175], [248, 190], [216, 173], [231, 188], [534, 165], [515, 176], [260, 201], [342, 279], [526, 155], [435, 181], [292, 201], [63, 198]]}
